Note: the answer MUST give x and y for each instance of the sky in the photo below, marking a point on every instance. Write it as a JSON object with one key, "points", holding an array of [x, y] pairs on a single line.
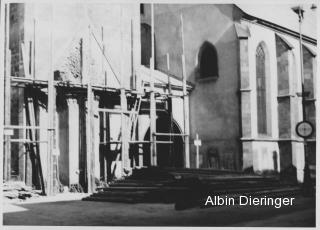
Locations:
{"points": [[283, 15]]}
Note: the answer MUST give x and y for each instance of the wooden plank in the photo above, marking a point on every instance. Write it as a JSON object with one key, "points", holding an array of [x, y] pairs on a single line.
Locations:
{"points": [[27, 141], [170, 134], [22, 127], [125, 111]]}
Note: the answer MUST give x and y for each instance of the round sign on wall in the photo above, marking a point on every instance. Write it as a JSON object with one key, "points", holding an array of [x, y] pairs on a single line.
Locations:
{"points": [[304, 129]]}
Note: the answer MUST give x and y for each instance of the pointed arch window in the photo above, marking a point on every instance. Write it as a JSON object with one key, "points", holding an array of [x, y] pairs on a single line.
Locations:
{"points": [[261, 89], [208, 60]]}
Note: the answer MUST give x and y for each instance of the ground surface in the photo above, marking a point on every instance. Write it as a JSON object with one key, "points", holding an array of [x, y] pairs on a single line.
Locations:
{"points": [[70, 210]]}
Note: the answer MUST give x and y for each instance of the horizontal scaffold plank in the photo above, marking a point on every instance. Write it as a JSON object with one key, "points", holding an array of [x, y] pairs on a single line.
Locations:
{"points": [[23, 82]]}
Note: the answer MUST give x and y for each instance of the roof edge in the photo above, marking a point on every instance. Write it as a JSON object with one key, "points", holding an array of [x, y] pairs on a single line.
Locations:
{"points": [[278, 28]]}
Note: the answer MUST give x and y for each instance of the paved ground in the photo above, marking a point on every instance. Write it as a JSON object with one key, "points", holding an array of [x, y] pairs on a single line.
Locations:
{"points": [[69, 211]]}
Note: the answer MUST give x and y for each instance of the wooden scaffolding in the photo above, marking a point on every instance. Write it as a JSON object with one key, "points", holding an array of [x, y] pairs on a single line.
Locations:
{"points": [[130, 104]]}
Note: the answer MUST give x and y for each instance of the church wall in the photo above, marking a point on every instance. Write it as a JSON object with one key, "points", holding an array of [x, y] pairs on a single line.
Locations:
{"points": [[285, 106], [214, 102]]}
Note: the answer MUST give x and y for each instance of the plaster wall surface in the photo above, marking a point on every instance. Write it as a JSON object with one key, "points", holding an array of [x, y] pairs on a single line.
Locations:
{"points": [[58, 29], [214, 103]]}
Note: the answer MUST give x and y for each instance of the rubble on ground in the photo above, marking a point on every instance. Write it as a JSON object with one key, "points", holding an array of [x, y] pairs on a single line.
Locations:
{"points": [[19, 190]]}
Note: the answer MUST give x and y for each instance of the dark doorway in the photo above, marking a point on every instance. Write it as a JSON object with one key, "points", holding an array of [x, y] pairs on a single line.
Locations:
{"points": [[168, 155]]}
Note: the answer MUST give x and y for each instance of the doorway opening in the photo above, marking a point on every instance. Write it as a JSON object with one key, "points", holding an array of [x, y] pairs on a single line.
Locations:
{"points": [[168, 154]]}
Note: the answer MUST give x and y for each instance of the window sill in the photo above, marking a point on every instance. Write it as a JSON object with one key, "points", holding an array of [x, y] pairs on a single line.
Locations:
{"points": [[207, 79]]}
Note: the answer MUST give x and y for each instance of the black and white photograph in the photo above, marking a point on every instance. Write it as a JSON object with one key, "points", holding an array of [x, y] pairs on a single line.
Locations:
{"points": [[177, 113]]}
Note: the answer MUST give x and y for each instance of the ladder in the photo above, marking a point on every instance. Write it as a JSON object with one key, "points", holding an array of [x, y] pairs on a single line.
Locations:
{"points": [[131, 124], [33, 147]]}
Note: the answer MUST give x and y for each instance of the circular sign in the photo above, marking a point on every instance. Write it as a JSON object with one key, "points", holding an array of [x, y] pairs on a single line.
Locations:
{"points": [[304, 129]]}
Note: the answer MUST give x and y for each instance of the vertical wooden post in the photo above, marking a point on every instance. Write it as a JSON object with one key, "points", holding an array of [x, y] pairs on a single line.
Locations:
{"points": [[197, 153], [168, 69], [81, 60], [133, 76], [33, 55], [153, 112], [7, 101], [51, 113], [124, 131], [136, 46], [185, 104], [123, 104], [89, 135], [104, 72], [90, 121], [2, 49]]}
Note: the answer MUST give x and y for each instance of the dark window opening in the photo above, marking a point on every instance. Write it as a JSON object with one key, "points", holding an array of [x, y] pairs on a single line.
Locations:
{"points": [[261, 90], [282, 66], [308, 59], [145, 44], [141, 8], [208, 61]]}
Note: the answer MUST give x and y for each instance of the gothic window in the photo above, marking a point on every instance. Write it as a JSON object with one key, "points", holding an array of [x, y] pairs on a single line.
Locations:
{"points": [[308, 68], [208, 61], [308, 58], [261, 89], [282, 49]]}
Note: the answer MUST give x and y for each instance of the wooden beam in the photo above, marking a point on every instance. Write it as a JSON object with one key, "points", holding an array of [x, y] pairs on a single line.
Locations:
{"points": [[170, 134], [33, 55], [89, 120], [169, 77], [153, 115], [7, 105], [125, 111], [34, 147], [124, 132], [51, 112], [185, 103], [22, 127], [2, 67]]}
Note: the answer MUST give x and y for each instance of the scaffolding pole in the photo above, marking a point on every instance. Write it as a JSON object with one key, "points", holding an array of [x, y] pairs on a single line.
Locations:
{"points": [[185, 102], [7, 96], [2, 47], [51, 111], [153, 115]]}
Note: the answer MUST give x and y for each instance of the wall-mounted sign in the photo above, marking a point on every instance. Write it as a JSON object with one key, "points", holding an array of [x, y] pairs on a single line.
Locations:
{"points": [[304, 129], [197, 142]]}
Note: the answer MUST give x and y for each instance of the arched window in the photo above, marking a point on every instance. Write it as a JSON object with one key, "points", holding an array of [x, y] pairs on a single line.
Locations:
{"points": [[308, 58], [145, 44], [282, 51], [208, 60], [261, 89]]}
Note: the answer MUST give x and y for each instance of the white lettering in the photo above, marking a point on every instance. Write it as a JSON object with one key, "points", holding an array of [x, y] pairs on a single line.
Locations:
{"points": [[209, 199], [240, 200]]}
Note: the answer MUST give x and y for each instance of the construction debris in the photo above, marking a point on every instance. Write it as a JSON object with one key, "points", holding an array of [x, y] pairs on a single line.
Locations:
{"points": [[19, 190]]}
